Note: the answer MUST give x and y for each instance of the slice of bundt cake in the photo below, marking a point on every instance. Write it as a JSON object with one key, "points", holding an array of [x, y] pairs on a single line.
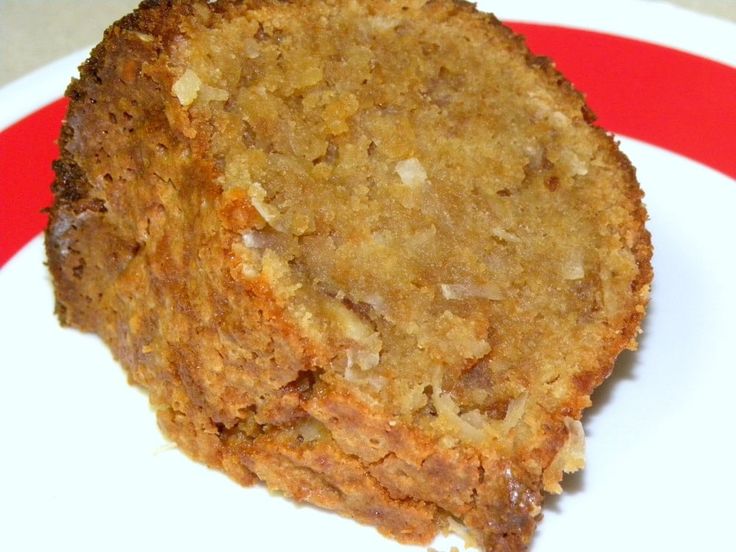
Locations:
{"points": [[371, 253]]}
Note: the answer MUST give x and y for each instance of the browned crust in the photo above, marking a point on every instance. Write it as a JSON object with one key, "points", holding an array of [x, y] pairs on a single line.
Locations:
{"points": [[392, 485]]}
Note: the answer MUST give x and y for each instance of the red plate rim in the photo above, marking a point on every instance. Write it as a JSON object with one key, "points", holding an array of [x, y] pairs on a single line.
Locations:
{"points": [[666, 97]]}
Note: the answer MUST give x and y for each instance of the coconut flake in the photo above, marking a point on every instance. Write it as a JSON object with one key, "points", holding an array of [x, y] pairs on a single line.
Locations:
{"points": [[213, 94], [251, 258], [257, 196], [251, 271], [504, 235], [413, 399], [536, 156], [573, 271], [251, 48], [367, 359], [576, 165], [575, 458], [143, 37], [458, 528], [448, 442], [254, 240], [515, 411], [310, 430], [474, 418], [572, 268], [559, 119], [381, 23], [368, 344], [359, 377], [569, 458], [455, 292], [187, 87], [411, 172], [448, 411], [376, 301]]}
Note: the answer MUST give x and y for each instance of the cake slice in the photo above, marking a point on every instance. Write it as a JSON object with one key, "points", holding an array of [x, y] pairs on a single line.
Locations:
{"points": [[373, 254]]}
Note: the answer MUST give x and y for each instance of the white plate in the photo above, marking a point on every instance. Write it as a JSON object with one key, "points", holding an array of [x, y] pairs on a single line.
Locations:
{"points": [[83, 466]]}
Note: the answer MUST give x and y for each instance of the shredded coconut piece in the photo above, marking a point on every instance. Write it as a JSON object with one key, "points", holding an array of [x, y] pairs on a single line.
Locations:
{"points": [[448, 411], [254, 240], [144, 37], [573, 268], [411, 172], [166, 447], [187, 87], [257, 196], [413, 399], [212, 94], [448, 442], [380, 23], [311, 430], [366, 353], [570, 458], [377, 302], [504, 235], [559, 119], [358, 376], [367, 359], [515, 410], [465, 291], [474, 418], [461, 530], [251, 258], [250, 272], [251, 49], [577, 166], [536, 156]]}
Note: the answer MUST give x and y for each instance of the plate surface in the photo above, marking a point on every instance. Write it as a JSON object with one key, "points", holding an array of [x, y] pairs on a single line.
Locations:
{"points": [[84, 467]]}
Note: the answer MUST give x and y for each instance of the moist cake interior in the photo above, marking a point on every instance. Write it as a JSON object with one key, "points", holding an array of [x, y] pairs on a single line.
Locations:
{"points": [[424, 208]]}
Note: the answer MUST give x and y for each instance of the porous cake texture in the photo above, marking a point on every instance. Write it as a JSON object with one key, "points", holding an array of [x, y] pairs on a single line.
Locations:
{"points": [[371, 253]]}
